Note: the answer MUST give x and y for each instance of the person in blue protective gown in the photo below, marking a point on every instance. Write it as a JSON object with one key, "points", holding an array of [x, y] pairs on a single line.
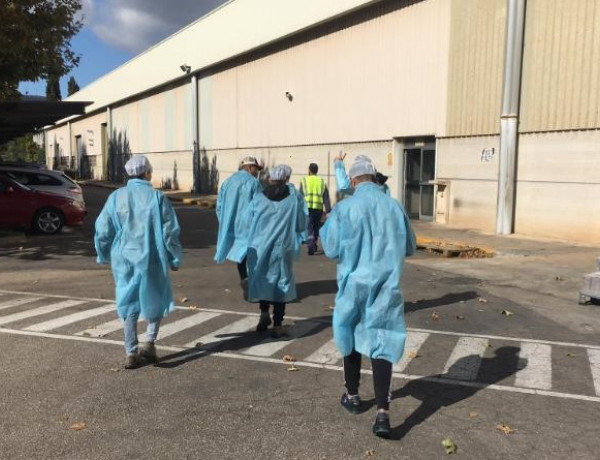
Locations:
{"points": [[274, 220], [367, 234], [233, 199], [303, 236], [137, 232], [344, 185]]}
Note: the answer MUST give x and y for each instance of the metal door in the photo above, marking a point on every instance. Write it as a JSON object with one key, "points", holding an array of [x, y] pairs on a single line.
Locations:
{"points": [[419, 170]]}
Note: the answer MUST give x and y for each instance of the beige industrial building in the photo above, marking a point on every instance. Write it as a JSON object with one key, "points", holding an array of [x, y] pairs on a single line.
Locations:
{"points": [[484, 113]]}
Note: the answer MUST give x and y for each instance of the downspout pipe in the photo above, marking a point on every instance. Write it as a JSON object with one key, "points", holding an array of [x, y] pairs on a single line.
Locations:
{"points": [[509, 120], [195, 134]]}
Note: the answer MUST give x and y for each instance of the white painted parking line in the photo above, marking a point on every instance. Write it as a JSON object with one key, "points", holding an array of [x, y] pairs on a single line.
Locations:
{"points": [[594, 357], [465, 360], [535, 366], [39, 311], [228, 332], [17, 302], [102, 329], [183, 324], [327, 354], [414, 341], [70, 319], [269, 347]]}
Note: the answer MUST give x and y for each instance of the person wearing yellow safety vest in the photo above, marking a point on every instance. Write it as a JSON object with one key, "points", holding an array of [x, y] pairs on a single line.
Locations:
{"points": [[315, 192]]}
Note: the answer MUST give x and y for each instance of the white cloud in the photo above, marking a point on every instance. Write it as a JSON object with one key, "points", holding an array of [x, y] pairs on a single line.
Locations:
{"points": [[136, 25]]}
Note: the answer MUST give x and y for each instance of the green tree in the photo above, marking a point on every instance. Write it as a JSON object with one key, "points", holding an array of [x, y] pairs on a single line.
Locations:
{"points": [[23, 148], [53, 88], [35, 41], [72, 86]]}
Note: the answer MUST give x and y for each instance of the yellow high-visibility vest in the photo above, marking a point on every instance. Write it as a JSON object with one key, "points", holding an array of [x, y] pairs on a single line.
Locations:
{"points": [[313, 188]]}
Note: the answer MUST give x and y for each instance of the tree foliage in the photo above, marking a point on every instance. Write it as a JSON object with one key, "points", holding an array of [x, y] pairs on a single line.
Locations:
{"points": [[35, 41], [53, 88], [72, 86], [23, 148]]}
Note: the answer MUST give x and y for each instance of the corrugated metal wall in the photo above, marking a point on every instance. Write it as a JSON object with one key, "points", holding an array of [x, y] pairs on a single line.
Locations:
{"points": [[378, 74], [561, 66], [476, 67]]}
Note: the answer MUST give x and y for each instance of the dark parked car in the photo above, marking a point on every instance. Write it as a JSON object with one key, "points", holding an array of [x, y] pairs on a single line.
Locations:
{"points": [[22, 207]]}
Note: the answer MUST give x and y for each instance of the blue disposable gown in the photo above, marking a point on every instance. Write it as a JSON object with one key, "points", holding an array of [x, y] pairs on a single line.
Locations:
{"points": [[344, 186], [303, 235], [138, 234], [366, 233], [233, 199], [273, 233]]}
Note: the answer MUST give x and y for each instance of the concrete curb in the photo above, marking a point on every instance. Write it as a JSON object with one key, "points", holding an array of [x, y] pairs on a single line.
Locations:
{"points": [[197, 201]]}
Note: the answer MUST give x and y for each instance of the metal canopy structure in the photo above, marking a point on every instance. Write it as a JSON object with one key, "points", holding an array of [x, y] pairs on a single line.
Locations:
{"points": [[30, 113]]}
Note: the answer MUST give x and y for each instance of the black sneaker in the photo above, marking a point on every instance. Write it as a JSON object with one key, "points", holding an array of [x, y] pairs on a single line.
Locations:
{"points": [[351, 403], [133, 361], [148, 353], [381, 427], [264, 322]]}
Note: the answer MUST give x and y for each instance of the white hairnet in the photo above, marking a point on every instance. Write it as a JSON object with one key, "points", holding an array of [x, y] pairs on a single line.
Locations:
{"points": [[277, 173], [137, 165], [362, 166], [287, 170]]}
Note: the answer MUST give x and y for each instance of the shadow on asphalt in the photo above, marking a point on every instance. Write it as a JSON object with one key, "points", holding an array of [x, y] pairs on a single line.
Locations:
{"points": [[236, 342], [313, 288], [447, 299], [436, 395]]}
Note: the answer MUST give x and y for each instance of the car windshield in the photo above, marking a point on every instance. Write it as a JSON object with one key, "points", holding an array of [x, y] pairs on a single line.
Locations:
{"points": [[69, 179]]}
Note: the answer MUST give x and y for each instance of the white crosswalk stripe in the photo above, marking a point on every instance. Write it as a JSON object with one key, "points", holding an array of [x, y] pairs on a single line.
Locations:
{"points": [[183, 324], [39, 311], [70, 319], [535, 366], [414, 341], [594, 357], [231, 331], [327, 354], [465, 360], [18, 302], [103, 329], [534, 373], [269, 347]]}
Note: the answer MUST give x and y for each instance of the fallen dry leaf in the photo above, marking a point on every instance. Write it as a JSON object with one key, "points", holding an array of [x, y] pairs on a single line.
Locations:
{"points": [[293, 368], [184, 299], [449, 446], [558, 278], [460, 317], [198, 344], [412, 354], [289, 359], [227, 291], [115, 369], [78, 426], [482, 300], [35, 282], [473, 414], [370, 453], [193, 307], [435, 316], [504, 428], [570, 355], [507, 313]]}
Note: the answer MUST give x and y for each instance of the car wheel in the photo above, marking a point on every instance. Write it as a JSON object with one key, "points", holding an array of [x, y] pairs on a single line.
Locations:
{"points": [[48, 221]]}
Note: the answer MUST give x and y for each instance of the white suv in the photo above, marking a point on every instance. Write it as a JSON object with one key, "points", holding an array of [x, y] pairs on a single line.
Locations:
{"points": [[44, 180]]}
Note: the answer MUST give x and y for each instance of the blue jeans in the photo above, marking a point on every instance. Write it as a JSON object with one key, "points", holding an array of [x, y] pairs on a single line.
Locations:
{"points": [[131, 335]]}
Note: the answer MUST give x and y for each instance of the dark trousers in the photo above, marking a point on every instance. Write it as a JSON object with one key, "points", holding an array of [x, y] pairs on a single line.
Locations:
{"points": [[314, 223], [243, 270], [382, 378], [278, 310]]}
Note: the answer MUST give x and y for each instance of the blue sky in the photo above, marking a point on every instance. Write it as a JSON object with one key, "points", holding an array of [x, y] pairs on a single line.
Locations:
{"points": [[115, 31]]}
